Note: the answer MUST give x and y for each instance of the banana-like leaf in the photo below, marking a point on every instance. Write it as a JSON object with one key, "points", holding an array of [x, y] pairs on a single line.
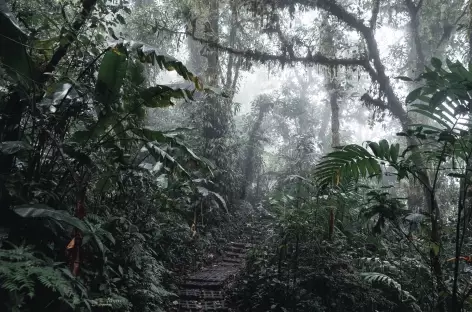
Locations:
{"points": [[160, 155], [163, 137], [111, 75], [161, 96], [13, 56], [150, 55], [43, 211], [205, 192]]}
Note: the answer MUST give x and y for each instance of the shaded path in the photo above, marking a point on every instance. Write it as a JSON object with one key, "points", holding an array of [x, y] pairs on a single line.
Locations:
{"points": [[204, 290]]}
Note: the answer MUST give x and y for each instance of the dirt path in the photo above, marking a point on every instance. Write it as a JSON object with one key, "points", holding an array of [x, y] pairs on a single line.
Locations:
{"points": [[204, 290]]}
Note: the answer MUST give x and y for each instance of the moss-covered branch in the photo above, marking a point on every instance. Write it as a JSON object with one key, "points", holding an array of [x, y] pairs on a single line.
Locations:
{"points": [[264, 57]]}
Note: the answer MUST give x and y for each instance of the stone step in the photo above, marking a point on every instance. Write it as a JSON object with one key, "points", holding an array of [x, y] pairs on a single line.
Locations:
{"points": [[203, 290], [201, 294], [235, 254], [235, 249], [193, 305], [233, 260], [202, 284], [240, 245]]}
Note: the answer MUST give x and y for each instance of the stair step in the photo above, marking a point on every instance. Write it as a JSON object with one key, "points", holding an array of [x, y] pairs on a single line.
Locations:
{"points": [[232, 264], [234, 255], [232, 260], [190, 294], [202, 284], [203, 290], [193, 305], [240, 245], [235, 249], [201, 294]]}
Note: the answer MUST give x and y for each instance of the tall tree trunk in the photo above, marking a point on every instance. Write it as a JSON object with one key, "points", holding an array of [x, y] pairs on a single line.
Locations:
{"points": [[333, 102], [332, 87], [324, 125], [248, 170], [416, 64]]}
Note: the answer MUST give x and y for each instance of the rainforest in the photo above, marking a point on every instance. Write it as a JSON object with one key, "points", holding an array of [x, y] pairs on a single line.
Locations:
{"points": [[235, 155]]}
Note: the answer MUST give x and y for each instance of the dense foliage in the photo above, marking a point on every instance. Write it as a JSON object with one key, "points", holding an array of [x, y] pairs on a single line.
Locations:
{"points": [[123, 168]]}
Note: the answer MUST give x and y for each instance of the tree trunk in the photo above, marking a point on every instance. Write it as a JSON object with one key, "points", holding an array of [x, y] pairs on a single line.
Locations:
{"points": [[248, 170], [333, 101]]}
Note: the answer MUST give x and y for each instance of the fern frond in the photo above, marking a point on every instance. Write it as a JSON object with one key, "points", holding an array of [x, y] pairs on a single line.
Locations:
{"points": [[375, 263], [374, 277], [351, 161], [21, 271]]}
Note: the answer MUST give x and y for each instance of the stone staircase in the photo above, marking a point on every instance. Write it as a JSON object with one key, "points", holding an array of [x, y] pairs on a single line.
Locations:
{"points": [[204, 290]]}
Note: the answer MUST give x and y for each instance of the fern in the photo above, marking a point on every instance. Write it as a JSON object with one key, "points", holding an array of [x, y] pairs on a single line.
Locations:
{"points": [[21, 272], [375, 263], [374, 277], [114, 302], [353, 162]]}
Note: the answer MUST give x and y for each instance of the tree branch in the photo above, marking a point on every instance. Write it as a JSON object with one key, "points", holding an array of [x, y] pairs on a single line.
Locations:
{"points": [[264, 57], [375, 14], [394, 104], [70, 36], [370, 101]]}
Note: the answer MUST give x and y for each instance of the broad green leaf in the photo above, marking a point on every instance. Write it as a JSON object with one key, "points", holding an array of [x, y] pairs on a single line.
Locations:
{"points": [[404, 78], [136, 72], [43, 211], [384, 149], [375, 166], [161, 96], [437, 64], [147, 54], [152, 135], [394, 151], [111, 74], [81, 136], [413, 95], [446, 136], [437, 98], [160, 155], [375, 148], [13, 41], [13, 147]]}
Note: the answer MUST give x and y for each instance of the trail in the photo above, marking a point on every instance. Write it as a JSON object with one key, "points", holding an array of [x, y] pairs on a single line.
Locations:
{"points": [[205, 290]]}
